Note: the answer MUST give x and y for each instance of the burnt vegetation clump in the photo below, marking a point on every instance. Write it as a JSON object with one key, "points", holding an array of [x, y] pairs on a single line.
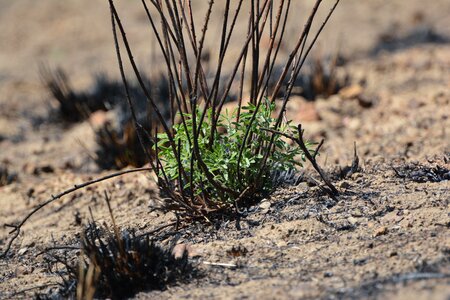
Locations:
{"points": [[73, 106], [116, 137], [323, 79], [420, 173], [118, 143], [116, 266], [320, 79], [118, 147]]}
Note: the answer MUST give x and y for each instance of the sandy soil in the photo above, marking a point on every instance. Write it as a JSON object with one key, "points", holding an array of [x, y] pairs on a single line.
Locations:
{"points": [[386, 236]]}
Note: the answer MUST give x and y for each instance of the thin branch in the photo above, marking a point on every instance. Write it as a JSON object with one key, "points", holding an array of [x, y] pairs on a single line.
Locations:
{"points": [[137, 126], [17, 227], [311, 158], [294, 52], [138, 74], [296, 69]]}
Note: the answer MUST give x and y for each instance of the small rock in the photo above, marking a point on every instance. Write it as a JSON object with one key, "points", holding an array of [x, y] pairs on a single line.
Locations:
{"points": [[22, 251], [357, 213], [365, 102], [98, 119], [300, 110], [281, 244], [264, 206], [351, 91], [352, 220], [22, 270], [179, 250], [352, 123], [308, 112], [406, 223], [381, 231], [303, 187], [30, 192], [355, 176]]}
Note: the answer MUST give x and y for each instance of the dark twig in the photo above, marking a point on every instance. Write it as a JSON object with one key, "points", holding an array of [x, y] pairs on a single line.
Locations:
{"points": [[158, 229], [311, 158], [137, 126], [17, 227], [318, 148]]}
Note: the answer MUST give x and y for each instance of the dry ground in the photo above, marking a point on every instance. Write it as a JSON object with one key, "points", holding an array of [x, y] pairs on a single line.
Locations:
{"points": [[386, 236]]}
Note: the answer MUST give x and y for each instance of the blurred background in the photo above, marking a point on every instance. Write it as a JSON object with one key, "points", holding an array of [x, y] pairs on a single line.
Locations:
{"points": [[75, 37]]}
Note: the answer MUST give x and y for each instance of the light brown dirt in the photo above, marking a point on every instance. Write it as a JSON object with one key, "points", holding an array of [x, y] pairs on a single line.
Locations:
{"points": [[377, 240]]}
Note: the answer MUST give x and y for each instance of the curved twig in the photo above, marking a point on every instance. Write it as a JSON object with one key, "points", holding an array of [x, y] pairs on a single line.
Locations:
{"points": [[17, 227], [312, 158]]}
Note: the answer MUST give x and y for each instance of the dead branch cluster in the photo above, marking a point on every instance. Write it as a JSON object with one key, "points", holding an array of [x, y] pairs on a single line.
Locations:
{"points": [[181, 40]]}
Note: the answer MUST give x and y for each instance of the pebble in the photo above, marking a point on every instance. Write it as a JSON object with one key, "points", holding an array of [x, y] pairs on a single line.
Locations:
{"points": [[22, 251], [351, 91], [264, 206], [192, 251], [22, 270], [303, 187], [352, 220], [381, 231], [357, 213]]}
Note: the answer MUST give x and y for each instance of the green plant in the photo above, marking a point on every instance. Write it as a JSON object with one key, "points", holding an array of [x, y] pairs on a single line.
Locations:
{"points": [[209, 160], [207, 170], [222, 157]]}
